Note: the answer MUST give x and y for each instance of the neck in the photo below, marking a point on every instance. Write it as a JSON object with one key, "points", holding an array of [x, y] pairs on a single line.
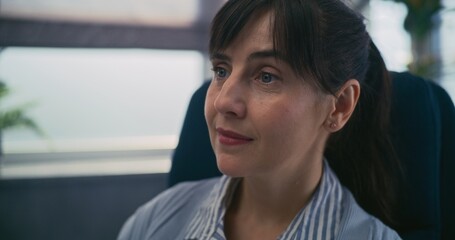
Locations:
{"points": [[276, 200], [264, 206]]}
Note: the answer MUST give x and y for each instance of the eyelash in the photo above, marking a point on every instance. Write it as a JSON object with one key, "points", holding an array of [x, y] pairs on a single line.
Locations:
{"points": [[270, 75], [216, 72]]}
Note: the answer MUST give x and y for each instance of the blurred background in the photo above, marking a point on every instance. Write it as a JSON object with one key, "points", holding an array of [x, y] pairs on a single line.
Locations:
{"points": [[117, 75], [93, 96]]}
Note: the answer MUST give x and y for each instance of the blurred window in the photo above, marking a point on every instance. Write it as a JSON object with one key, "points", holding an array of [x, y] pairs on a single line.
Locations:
{"points": [[136, 12], [447, 48], [385, 23], [91, 100]]}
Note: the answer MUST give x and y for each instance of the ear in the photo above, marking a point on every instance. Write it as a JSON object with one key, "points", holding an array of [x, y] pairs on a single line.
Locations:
{"points": [[343, 105]]}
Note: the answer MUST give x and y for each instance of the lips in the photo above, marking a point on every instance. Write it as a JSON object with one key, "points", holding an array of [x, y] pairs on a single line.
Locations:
{"points": [[231, 138]]}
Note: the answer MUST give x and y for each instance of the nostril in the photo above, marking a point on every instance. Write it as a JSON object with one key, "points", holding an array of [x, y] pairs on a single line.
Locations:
{"points": [[231, 114]]}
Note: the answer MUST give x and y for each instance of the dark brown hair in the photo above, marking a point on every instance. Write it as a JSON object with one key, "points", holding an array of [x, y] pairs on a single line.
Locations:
{"points": [[326, 43]]}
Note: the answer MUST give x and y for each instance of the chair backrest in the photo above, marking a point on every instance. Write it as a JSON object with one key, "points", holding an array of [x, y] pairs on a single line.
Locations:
{"points": [[423, 135]]}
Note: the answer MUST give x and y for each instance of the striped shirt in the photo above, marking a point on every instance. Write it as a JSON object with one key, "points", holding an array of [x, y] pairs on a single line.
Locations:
{"points": [[320, 219]]}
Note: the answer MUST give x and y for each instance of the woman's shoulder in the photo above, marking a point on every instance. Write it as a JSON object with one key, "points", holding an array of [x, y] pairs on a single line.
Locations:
{"points": [[168, 211], [358, 224]]}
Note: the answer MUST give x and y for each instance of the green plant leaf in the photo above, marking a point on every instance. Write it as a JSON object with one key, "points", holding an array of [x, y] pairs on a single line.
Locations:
{"points": [[4, 91], [16, 118]]}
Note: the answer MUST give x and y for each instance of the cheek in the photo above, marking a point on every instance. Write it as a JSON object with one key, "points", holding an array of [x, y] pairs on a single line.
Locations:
{"points": [[289, 124], [210, 113], [278, 122], [209, 108]]}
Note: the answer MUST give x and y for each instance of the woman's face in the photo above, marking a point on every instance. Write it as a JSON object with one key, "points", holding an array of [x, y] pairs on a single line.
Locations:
{"points": [[262, 118]]}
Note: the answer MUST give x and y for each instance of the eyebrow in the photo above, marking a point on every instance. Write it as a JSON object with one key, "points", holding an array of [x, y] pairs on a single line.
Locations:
{"points": [[252, 56], [266, 54]]}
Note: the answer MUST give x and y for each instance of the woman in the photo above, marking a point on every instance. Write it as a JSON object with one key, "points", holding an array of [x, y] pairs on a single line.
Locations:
{"points": [[293, 81]]}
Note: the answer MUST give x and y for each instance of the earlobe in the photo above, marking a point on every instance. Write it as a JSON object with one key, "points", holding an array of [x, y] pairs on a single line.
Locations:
{"points": [[344, 105], [332, 126]]}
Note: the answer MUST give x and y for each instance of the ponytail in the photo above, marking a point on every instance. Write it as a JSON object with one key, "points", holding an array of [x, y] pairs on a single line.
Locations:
{"points": [[361, 153]]}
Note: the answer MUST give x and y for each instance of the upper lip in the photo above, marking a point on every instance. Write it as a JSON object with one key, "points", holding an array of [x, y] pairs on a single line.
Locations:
{"points": [[232, 134]]}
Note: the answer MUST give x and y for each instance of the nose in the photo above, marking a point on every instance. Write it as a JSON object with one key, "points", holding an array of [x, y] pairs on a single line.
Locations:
{"points": [[230, 98]]}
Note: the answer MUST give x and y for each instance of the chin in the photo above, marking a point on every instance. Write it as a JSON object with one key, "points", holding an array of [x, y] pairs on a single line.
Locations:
{"points": [[230, 167]]}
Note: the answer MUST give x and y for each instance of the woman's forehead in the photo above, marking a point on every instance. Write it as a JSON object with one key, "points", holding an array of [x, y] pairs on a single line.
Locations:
{"points": [[256, 35], [258, 29]]}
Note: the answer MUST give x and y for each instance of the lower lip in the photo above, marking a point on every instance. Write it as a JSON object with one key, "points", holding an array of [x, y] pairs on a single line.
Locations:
{"points": [[232, 141]]}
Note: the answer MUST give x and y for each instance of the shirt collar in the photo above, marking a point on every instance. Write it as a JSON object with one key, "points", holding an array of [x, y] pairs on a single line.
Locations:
{"points": [[318, 220]]}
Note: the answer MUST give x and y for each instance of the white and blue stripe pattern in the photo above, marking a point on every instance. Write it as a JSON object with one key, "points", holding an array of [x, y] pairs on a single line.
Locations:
{"points": [[319, 220]]}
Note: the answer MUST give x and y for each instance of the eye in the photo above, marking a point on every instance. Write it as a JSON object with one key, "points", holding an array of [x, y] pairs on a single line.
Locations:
{"points": [[266, 77], [220, 73]]}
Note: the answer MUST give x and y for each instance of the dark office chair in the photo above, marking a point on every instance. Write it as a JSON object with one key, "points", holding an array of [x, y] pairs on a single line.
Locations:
{"points": [[423, 134]]}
